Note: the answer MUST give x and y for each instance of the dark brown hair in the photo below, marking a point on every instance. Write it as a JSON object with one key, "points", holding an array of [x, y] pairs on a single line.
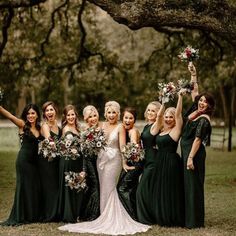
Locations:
{"points": [[131, 110], [65, 111], [210, 101]]}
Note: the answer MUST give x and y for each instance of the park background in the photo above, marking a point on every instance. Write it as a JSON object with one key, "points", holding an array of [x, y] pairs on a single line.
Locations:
{"points": [[73, 52]]}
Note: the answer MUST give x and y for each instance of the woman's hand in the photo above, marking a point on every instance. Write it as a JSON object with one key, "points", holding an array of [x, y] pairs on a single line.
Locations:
{"points": [[190, 165], [192, 69], [127, 168]]}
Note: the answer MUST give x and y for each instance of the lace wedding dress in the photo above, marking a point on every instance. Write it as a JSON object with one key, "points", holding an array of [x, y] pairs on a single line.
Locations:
{"points": [[114, 219]]}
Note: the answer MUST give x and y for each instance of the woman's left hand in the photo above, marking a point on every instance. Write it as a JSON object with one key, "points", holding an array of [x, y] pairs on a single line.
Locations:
{"points": [[190, 165]]}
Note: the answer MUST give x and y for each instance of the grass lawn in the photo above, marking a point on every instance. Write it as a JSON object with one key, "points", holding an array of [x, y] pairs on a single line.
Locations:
{"points": [[220, 197]]}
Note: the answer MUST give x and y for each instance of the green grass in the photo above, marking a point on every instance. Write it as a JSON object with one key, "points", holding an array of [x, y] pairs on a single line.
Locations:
{"points": [[220, 197]]}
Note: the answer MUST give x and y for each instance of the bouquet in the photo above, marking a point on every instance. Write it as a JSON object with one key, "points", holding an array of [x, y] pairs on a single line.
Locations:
{"points": [[75, 180], [189, 54], [133, 152], [166, 91], [47, 148], [184, 84], [69, 147], [92, 141], [1, 94]]}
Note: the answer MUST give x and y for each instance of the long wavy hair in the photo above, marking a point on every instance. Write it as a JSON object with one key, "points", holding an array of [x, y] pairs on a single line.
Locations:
{"points": [[132, 111], [46, 104], [24, 114], [210, 101], [64, 114]]}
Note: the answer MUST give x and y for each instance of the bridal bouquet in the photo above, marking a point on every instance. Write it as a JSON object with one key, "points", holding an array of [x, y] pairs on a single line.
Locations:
{"points": [[75, 180], [133, 152], [1, 94], [189, 54], [184, 84], [166, 91], [69, 147], [47, 148], [92, 140]]}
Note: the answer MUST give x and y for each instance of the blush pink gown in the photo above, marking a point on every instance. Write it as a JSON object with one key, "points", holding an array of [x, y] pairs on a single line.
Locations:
{"points": [[114, 219]]}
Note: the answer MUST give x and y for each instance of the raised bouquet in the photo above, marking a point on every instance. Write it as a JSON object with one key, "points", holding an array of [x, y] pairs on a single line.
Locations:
{"points": [[133, 152], [166, 92], [47, 149], [189, 54], [68, 147], [75, 180], [184, 84], [92, 140]]}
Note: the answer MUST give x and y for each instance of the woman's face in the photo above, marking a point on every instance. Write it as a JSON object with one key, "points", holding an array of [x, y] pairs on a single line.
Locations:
{"points": [[71, 117], [151, 113], [128, 120], [92, 119], [50, 113], [202, 104], [111, 115], [32, 116], [169, 119]]}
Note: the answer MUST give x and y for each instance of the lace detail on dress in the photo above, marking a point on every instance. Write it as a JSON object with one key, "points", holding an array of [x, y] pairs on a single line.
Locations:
{"points": [[203, 130]]}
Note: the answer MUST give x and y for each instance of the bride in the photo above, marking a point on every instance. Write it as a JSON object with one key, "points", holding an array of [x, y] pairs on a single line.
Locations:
{"points": [[114, 219]]}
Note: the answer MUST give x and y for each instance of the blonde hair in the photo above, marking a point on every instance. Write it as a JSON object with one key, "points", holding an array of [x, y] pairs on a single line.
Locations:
{"points": [[171, 110], [88, 110], [156, 104], [114, 106]]}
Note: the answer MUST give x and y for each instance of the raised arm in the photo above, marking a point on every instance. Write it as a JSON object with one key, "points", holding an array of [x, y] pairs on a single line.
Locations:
{"points": [[158, 123], [193, 80], [18, 122]]}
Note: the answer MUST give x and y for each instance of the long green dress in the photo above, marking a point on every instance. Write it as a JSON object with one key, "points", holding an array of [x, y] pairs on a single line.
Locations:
{"points": [[168, 190], [70, 206], [92, 199], [194, 179], [26, 208], [128, 184], [144, 191], [49, 172]]}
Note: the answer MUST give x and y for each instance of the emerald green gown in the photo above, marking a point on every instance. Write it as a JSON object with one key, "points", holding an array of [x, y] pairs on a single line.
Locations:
{"points": [[26, 208], [168, 189], [70, 207], [144, 195], [49, 172], [194, 179]]}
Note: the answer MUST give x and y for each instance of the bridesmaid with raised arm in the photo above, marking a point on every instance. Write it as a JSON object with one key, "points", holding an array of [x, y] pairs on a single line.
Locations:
{"points": [[92, 206], [70, 200], [167, 191], [129, 177], [196, 135], [26, 208], [145, 187], [48, 166]]}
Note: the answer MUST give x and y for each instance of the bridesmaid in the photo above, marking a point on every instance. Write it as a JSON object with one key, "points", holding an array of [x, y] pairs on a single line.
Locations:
{"points": [[129, 177], [92, 206], [168, 189], [26, 207], [145, 187], [196, 135], [70, 201], [48, 169]]}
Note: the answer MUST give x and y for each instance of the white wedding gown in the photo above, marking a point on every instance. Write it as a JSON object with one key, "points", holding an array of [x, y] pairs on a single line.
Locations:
{"points": [[114, 219]]}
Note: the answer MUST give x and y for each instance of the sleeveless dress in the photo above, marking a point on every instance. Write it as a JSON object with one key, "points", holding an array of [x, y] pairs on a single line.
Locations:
{"points": [[26, 208], [168, 190], [114, 220], [145, 200], [194, 179], [127, 185], [49, 172], [70, 206]]}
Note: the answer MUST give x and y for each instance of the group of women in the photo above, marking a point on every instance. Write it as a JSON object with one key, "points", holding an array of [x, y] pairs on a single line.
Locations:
{"points": [[123, 197]]}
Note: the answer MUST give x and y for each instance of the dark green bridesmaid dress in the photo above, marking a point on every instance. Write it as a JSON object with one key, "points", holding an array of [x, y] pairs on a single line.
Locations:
{"points": [[194, 179], [49, 172], [168, 189], [70, 207], [128, 184], [144, 196], [26, 208], [91, 198]]}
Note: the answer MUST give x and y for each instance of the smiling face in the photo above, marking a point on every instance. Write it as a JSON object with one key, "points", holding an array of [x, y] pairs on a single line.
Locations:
{"points": [[50, 113], [202, 104], [71, 117], [151, 113], [92, 119], [32, 116], [169, 119], [128, 120], [111, 115]]}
